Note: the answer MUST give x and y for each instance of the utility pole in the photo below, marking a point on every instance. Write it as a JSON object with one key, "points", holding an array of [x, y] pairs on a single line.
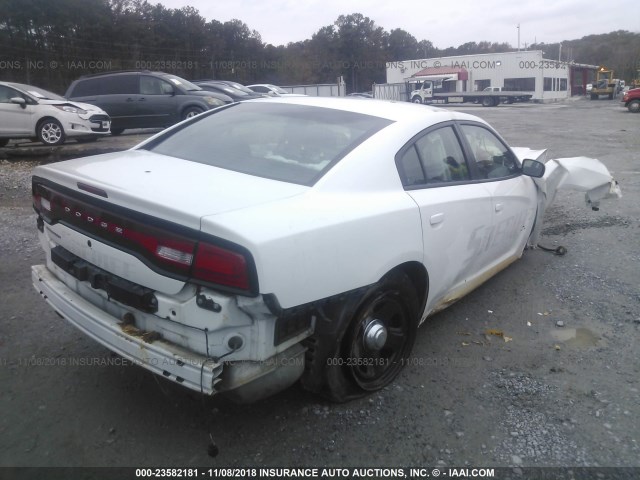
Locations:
{"points": [[518, 37]]}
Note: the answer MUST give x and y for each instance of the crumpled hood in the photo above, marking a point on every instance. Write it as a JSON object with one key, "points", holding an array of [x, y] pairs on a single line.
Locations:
{"points": [[582, 174], [84, 106]]}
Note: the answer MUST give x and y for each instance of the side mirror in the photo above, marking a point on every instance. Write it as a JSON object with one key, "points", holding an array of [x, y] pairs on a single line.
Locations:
{"points": [[533, 168], [20, 101]]}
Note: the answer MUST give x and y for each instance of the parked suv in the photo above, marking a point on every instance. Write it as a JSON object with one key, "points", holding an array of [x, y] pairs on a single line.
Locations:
{"points": [[631, 100], [143, 99]]}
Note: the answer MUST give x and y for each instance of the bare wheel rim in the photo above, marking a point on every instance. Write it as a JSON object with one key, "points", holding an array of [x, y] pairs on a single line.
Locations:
{"points": [[374, 363], [51, 132]]}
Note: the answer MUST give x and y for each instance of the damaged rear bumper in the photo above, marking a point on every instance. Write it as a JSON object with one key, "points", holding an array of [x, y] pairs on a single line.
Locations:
{"points": [[163, 358], [243, 381]]}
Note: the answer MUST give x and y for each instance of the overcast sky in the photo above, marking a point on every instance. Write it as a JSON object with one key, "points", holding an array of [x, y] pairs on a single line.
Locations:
{"points": [[444, 23]]}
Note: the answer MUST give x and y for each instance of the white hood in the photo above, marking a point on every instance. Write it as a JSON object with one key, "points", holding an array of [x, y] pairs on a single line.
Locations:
{"points": [[578, 173], [84, 106]]}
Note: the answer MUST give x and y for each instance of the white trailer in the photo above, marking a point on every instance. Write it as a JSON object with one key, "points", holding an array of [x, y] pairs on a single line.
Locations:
{"points": [[337, 89], [489, 97]]}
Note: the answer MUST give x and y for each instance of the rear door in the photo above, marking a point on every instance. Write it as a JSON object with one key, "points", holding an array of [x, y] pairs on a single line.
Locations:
{"points": [[453, 208], [115, 94], [120, 95]]}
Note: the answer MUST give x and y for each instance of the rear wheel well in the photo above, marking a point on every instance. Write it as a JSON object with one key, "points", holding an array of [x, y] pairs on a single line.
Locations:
{"points": [[419, 277], [338, 317]]}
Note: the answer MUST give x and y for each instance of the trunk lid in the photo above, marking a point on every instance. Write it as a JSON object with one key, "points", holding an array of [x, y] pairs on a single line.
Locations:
{"points": [[166, 187]]}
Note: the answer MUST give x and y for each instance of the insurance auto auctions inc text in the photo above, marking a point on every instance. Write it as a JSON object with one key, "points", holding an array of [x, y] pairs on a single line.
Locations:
{"points": [[369, 473]]}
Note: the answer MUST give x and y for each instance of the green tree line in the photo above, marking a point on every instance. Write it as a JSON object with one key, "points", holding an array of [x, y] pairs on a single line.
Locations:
{"points": [[49, 43]]}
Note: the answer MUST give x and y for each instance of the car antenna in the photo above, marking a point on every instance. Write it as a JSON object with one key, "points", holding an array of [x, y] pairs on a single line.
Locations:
{"points": [[212, 448]]}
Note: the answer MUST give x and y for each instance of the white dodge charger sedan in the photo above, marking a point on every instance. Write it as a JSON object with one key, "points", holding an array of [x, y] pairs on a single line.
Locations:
{"points": [[289, 239]]}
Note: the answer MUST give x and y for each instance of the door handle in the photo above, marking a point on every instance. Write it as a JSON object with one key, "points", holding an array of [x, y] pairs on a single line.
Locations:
{"points": [[142, 99], [499, 207], [129, 99], [436, 219]]}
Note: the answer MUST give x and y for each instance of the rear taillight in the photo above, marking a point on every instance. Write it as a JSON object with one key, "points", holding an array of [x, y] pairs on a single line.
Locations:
{"points": [[221, 266], [184, 255], [174, 255], [45, 204], [168, 249], [41, 199]]}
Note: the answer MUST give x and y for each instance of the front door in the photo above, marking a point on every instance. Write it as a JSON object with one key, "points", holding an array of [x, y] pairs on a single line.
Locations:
{"points": [[436, 174], [513, 194], [15, 119]]}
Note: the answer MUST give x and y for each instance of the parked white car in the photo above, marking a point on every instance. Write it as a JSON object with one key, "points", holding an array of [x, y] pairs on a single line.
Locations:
{"points": [[281, 239], [31, 112], [272, 90]]}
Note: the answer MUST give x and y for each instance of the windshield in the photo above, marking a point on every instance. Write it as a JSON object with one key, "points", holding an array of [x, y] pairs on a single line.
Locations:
{"points": [[277, 89], [291, 143], [231, 90], [240, 87], [187, 85], [36, 92]]}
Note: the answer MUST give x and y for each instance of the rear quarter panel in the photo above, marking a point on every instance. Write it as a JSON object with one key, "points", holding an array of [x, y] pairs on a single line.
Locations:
{"points": [[315, 246], [346, 232]]}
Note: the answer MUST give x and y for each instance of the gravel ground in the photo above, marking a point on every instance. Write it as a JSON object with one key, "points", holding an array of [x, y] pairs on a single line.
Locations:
{"points": [[564, 392]]}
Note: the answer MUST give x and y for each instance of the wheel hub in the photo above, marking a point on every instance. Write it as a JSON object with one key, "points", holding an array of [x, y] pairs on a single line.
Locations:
{"points": [[375, 335]]}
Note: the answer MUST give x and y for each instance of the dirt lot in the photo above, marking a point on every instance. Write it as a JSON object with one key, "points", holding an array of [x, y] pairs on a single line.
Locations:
{"points": [[564, 392]]}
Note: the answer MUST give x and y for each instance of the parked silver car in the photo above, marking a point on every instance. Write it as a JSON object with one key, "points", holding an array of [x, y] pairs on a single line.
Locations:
{"points": [[31, 112]]}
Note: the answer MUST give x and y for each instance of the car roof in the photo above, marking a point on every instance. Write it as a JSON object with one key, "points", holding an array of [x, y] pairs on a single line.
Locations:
{"points": [[391, 110]]}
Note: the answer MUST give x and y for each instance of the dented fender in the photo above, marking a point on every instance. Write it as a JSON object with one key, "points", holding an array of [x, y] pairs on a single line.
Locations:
{"points": [[582, 174]]}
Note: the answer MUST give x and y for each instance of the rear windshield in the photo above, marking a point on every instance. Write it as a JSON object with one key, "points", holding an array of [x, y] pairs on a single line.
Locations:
{"points": [[290, 143]]}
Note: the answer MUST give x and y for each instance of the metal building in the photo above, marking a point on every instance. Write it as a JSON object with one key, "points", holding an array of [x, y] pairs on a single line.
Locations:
{"points": [[526, 70]]}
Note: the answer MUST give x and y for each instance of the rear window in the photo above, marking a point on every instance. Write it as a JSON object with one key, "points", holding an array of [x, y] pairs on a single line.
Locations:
{"points": [[120, 85], [86, 88], [290, 143]]}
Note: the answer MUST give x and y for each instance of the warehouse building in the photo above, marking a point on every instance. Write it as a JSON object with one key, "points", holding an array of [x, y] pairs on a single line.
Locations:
{"points": [[525, 71]]}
